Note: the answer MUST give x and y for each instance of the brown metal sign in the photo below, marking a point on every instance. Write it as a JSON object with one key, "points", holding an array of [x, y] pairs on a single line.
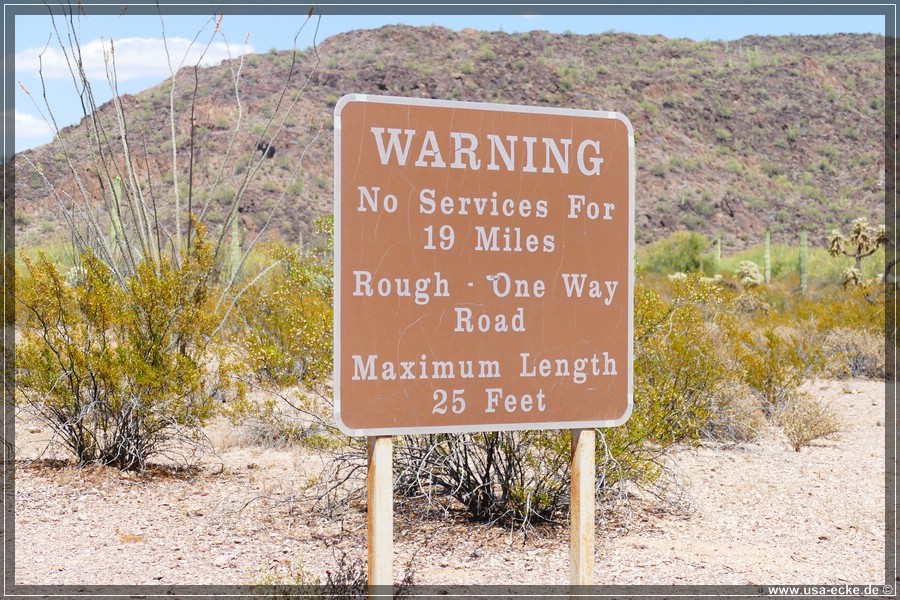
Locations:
{"points": [[483, 267]]}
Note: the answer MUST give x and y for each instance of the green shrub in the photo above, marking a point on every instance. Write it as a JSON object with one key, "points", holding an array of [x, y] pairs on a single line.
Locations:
{"points": [[570, 75], [287, 325], [117, 371], [659, 169], [785, 258], [282, 346], [680, 252], [487, 52], [679, 372], [776, 361], [523, 477], [677, 363], [649, 107]]}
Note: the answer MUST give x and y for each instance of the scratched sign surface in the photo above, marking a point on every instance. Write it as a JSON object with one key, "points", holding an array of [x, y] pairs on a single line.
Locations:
{"points": [[483, 266]]}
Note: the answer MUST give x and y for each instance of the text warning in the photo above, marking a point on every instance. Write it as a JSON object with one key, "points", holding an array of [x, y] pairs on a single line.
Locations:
{"points": [[483, 266]]}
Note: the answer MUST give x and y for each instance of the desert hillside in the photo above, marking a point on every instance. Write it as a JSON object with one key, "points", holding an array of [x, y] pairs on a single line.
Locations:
{"points": [[732, 137]]}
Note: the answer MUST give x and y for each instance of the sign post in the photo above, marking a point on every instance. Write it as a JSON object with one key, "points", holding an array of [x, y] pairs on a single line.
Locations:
{"points": [[581, 518], [484, 276], [380, 516]]}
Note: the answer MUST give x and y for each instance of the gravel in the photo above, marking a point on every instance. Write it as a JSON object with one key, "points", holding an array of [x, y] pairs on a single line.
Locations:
{"points": [[756, 513]]}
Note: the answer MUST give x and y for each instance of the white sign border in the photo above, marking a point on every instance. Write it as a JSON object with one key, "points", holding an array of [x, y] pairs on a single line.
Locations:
{"points": [[454, 104]]}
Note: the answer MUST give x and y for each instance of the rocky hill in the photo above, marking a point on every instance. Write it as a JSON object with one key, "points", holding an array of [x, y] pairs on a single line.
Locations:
{"points": [[731, 137]]}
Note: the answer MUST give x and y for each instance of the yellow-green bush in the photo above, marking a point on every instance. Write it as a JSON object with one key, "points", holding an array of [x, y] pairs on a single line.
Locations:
{"points": [[286, 324], [522, 477], [840, 330], [679, 372], [856, 307], [117, 369], [680, 252], [282, 347], [775, 361]]}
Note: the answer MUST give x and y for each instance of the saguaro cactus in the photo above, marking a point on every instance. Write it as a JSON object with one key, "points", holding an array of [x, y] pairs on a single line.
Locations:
{"points": [[767, 258], [804, 259]]}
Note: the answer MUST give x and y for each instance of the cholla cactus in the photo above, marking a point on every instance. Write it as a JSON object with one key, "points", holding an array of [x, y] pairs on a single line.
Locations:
{"points": [[679, 276], [851, 276], [748, 274], [750, 303], [864, 240]]}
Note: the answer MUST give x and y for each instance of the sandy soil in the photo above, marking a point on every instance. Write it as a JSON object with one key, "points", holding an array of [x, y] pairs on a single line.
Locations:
{"points": [[757, 513]]}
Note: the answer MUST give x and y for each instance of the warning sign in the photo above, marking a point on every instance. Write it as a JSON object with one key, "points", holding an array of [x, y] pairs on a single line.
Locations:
{"points": [[483, 268]]}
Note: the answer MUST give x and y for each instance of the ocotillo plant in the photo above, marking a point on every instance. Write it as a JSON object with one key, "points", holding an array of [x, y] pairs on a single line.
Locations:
{"points": [[161, 299], [115, 224]]}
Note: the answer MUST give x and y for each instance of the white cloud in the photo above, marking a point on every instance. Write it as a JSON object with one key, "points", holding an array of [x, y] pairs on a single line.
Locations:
{"points": [[133, 58], [29, 126]]}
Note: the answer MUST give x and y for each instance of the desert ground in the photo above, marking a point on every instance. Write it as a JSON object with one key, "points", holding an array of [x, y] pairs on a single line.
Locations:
{"points": [[753, 513]]}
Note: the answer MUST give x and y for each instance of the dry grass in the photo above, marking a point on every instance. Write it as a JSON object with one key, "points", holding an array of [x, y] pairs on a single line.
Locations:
{"points": [[738, 416], [804, 418], [854, 353], [129, 538]]}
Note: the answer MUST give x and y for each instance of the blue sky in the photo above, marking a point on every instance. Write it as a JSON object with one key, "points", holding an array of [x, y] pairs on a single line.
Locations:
{"points": [[141, 58]]}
